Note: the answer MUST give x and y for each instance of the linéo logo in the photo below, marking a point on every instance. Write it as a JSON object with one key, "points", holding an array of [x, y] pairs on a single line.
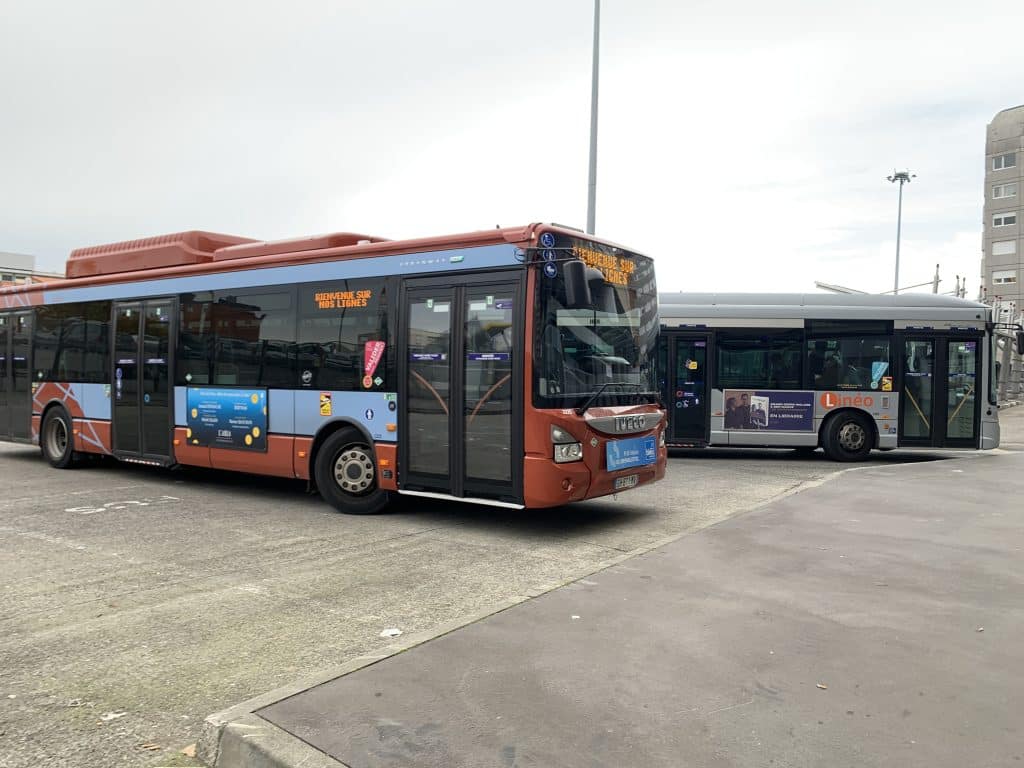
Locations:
{"points": [[835, 400]]}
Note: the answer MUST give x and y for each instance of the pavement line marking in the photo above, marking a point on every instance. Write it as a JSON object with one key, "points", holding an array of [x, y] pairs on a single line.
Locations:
{"points": [[23, 499]]}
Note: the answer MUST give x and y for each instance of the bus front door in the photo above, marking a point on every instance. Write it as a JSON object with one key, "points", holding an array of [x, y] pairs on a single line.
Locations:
{"points": [[15, 378], [939, 401], [142, 392], [460, 395], [687, 394]]}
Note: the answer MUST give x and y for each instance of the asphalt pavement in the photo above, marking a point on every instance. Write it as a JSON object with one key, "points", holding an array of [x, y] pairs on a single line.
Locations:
{"points": [[137, 601], [871, 620]]}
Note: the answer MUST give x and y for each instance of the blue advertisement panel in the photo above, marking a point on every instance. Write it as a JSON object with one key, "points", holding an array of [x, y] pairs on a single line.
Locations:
{"points": [[635, 452], [227, 418], [770, 410]]}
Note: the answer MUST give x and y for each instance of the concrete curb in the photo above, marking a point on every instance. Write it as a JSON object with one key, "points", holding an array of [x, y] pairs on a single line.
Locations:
{"points": [[239, 738]]}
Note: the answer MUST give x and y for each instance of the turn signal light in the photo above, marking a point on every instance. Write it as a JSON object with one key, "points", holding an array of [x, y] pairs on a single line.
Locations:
{"points": [[392, 427]]}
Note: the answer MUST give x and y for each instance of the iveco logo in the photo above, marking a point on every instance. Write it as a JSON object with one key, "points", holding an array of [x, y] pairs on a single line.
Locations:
{"points": [[630, 423]]}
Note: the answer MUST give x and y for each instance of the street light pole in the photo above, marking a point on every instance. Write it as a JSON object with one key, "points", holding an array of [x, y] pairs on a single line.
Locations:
{"points": [[592, 186], [903, 177]]}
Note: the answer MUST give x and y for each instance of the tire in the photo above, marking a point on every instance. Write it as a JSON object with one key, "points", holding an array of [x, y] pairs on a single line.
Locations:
{"points": [[56, 439], [346, 474], [848, 437]]}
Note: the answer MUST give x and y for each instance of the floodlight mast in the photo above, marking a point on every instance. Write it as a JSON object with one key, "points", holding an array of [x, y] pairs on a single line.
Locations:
{"points": [[903, 177], [592, 183]]}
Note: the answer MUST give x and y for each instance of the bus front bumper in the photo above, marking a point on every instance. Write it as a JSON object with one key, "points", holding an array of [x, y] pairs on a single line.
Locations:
{"points": [[547, 484]]}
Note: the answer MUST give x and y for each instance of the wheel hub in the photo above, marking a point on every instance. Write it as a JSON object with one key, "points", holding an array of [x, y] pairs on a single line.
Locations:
{"points": [[353, 470], [852, 437], [57, 438]]}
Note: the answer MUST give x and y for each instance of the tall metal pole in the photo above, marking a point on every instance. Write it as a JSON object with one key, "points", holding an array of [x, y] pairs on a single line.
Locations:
{"points": [[592, 186], [903, 177], [899, 224]]}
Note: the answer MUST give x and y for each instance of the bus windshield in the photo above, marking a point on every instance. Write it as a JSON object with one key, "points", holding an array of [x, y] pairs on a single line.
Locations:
{"points": [[606, 349]]}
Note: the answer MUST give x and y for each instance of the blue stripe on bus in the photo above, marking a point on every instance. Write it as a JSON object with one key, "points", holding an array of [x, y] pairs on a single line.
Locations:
{"points": [[422, 262], [94, 399]]}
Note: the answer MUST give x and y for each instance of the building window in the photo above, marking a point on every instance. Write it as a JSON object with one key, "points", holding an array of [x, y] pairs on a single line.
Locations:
{"points": [[1004, 248], [1009, 160], [1004, 219], [1004, 190], [1004, 277]]}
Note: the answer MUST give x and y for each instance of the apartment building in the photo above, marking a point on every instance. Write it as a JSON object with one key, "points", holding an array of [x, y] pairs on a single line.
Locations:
{"points": [[1002, 254]]}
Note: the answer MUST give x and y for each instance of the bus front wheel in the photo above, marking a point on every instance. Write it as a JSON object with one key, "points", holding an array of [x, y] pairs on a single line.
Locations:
{"points": [[55, 438], [346, 474], [848, 437]]}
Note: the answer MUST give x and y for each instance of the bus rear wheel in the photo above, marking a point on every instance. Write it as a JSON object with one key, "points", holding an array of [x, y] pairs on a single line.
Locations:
{"points": [[346, 474], [847, 437], [55, 439]]}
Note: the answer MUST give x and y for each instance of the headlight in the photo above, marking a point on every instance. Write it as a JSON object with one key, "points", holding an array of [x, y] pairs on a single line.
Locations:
{"points": [[661, 438], [567, 452], [566, 447]]}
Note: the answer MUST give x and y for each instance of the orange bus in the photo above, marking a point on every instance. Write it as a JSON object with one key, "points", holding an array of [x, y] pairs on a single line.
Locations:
{"points": [[512, 367]]}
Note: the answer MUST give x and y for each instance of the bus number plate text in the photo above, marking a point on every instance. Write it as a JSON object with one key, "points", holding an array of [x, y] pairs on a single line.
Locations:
{"points": [[622, 483]]}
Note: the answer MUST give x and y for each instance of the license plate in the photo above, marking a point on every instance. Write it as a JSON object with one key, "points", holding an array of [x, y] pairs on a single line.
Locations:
{"points": [[621, 483]]}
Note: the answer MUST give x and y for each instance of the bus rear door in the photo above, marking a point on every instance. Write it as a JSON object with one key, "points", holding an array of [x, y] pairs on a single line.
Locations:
{"points": [[939, 401], [142, 392]]}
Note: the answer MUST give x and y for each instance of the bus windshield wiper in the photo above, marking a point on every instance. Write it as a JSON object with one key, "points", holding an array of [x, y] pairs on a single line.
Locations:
{"points": [[597, 393]]}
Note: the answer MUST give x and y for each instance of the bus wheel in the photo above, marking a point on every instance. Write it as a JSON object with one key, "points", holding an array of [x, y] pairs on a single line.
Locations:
{"points": [[847, 437], [346, 475], [55, 439]]}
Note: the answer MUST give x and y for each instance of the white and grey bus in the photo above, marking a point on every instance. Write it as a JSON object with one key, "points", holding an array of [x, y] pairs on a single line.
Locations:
{"points": [[847, 373]]}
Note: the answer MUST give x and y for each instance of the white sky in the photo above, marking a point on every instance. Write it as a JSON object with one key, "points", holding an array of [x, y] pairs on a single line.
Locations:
{"points": [[744, 145]]}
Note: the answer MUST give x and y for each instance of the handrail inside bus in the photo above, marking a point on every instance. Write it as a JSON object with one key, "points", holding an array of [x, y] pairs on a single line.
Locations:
{"points": [[487, 396], [963, 401], [913, 401], [433, 391]]}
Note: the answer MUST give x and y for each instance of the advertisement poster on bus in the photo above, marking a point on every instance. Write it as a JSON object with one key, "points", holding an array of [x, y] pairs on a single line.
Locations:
{"points": [[227, 418], [769, 410]]}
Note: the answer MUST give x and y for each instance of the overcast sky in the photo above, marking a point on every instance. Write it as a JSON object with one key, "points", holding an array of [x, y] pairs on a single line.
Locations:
{"points": [[744, 145]]}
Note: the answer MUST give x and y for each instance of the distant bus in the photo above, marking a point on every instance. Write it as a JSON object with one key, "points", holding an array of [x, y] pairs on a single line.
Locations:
{"points": [[512, 367], [847, 373]]}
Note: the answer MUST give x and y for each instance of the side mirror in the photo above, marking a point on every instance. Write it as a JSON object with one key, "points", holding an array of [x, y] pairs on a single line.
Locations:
{"points": [[577, 286], [1020, 342]]}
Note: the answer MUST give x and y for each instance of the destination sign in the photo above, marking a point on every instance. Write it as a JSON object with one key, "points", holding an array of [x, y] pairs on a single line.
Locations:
{"points": [[342, 299], [616, 269]]}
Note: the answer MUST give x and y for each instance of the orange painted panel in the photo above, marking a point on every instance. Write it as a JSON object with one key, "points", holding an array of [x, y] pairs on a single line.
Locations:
{"points": [[303, 451], [276, 460], [47, 392], [92, 436], [387, 459], [191, 455]]}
